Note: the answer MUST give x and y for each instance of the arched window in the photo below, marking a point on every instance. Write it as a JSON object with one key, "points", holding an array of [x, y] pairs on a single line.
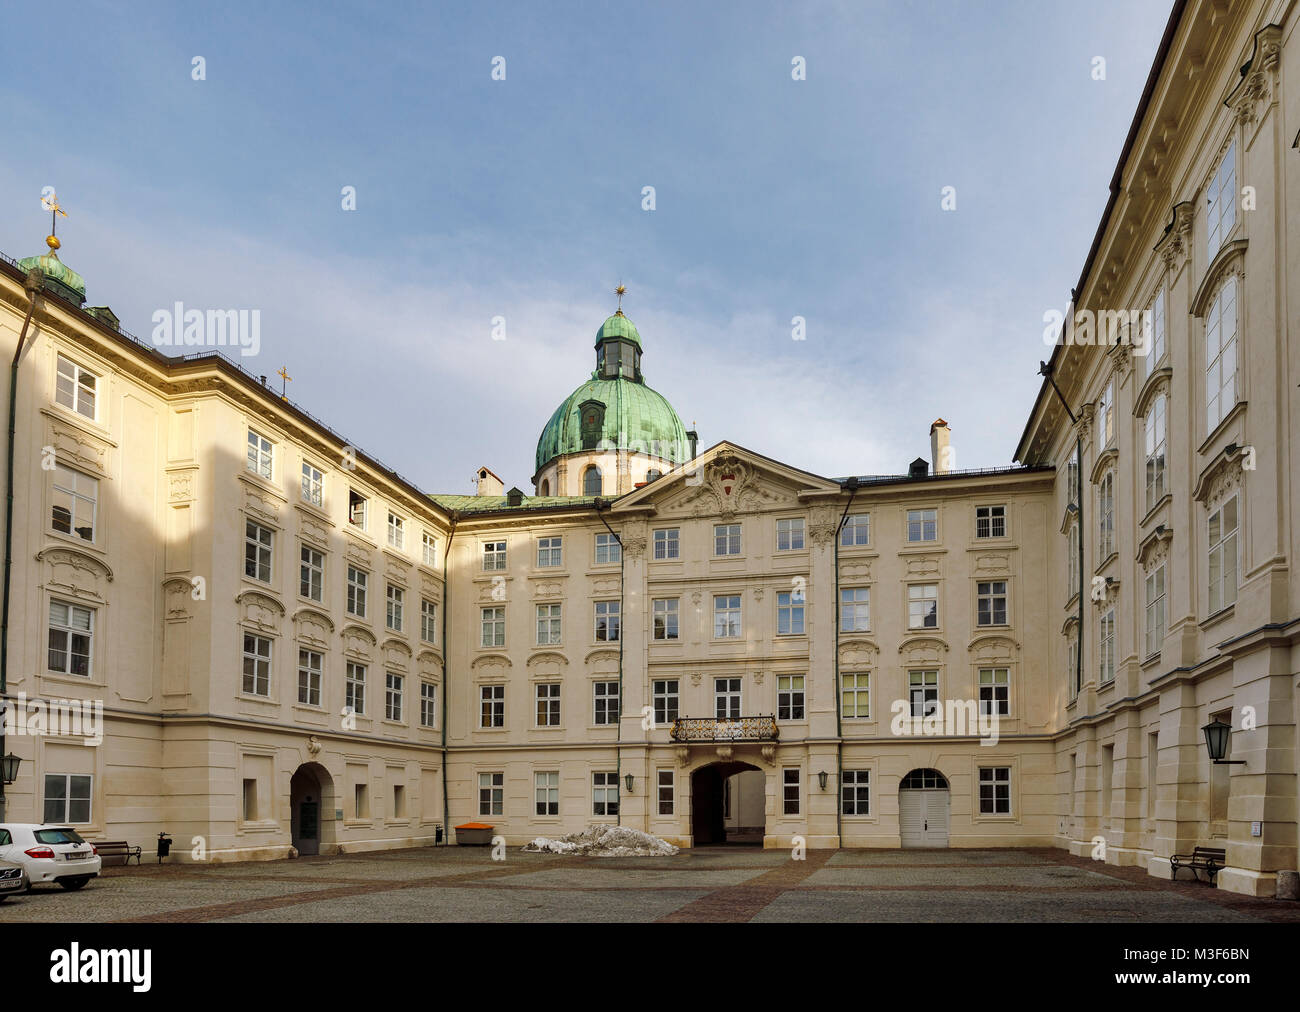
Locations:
{"points": [[1106, 516], [1221, 355], [1155, 446], [591, 481], [546, 487]]}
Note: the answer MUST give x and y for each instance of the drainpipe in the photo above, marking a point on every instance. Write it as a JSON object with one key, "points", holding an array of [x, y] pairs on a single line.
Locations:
{"points": [[618, 729], [852, 486], [446, 605], [1045, 370], [33, 284]]}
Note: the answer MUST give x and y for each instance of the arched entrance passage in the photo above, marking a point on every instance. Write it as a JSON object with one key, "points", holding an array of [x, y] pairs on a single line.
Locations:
{"points": [[923, 806], [311, 807], [726, 797]]}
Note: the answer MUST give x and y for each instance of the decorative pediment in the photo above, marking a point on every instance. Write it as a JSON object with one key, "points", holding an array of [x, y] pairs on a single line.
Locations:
{"points": [[357, 555], [431, 587], [357, 640], [1105, 461], [858, 569], [604, 586], [727, 486], [313, 626], [1156, 384], [429, 661], [396, 653], [1229, 261], [1175, 245], [993, 648], [922, 650], [1154, 548], [547, 588], [859, 654], [395, 571], [79, 449], [313, 531], [1070, 627], [602, 659], [260, 610], [993, 562], [1069, 518], [75, 572], [491, 666], [1221, 478], [1258, 83], [261, 506]]}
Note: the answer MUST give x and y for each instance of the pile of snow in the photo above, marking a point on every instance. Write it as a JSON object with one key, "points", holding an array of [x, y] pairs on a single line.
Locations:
{"points": [[604, 841]]}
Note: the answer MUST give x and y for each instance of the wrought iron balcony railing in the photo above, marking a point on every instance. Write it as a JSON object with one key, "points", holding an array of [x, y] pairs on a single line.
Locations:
{"points": [[724, 729]]}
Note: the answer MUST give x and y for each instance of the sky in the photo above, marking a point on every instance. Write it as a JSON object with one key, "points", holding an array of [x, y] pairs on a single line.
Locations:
{"points": [[479, 198]]}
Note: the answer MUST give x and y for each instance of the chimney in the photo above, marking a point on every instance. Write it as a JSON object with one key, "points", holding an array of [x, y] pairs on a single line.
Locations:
{"points": [[693, 438], [940, 452], [487, 483]]}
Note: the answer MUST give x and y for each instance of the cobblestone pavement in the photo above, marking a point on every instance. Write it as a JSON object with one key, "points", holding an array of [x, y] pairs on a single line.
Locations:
{"points": [[709, 884]]}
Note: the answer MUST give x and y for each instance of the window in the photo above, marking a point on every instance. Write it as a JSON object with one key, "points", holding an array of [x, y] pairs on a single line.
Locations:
{"points": [[1155, 623], [357, 580], [1106, 517], [395, 607], [1155, 325], [855, 694], [546, 792], [923, 606], [492, 706], [995, 790], [393, 690], [664, 781], [257, 665], [493, 624], [856, 531], [313, 485], [309, 672], [1072, 478], [491, 793], [358, 509], [67, 798], [545, 490], [428, 621], [664, 698], [789, 534], [1072, 563], [257, 551], [990, 521], [608, 549], [992, 602], [494, 555], [995, 689], [790, 791], [1106, 417], [428, 704], [855, 609], [665, 618], [75, 388], [396, 531], [726, 539], [607, 621], [923, 692], [726, 617], [548, 704], [591, 483], [429, 549], [549, 552], [1221, 355], [311, 574], [1221, 203], [606, 700], [789, 697], [1106, 648], [354, 688], [76, 496], [1223, 555], [1155, 456], [604, 794], [789, 613], [548, 624], [360, 801], [668, 543], [922, 525], [1074, 674], [726, 698], [260, 454], [855, 792]]}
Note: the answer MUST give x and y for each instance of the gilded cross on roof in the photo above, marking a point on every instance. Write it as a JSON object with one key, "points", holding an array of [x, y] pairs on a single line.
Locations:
{"points": [[620, 291], [284, 387]]}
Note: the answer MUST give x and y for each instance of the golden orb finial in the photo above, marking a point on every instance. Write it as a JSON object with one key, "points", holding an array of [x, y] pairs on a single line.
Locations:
{"points": [[52, 241]]}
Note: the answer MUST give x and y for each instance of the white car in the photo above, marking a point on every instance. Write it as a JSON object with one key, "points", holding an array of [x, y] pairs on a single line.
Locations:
{"points": [[13, 879], [49, 853]]}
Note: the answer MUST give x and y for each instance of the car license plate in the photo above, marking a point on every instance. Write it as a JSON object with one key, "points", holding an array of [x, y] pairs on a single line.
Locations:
{"points": [[76, 855]]}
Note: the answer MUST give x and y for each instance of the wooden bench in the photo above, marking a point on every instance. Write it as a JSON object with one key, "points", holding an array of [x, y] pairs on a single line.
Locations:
{"points": [[117, 848], [1207, 859]]}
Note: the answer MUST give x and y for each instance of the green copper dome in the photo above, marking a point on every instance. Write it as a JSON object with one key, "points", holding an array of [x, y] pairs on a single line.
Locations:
{"points": [[628, 416], [618, 325], [58, 272]]}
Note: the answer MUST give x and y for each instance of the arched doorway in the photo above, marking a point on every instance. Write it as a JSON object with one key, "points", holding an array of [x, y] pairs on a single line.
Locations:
{"points": [[923, 807], [728, 804], [311, 797]]}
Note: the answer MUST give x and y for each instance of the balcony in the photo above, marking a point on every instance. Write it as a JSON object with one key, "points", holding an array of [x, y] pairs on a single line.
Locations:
{"points": [[710, 729]]}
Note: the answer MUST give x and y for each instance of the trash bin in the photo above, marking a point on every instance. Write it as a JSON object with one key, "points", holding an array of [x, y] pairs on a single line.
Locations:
{"points": [[164, 846], [474, 834], [437, 836]]}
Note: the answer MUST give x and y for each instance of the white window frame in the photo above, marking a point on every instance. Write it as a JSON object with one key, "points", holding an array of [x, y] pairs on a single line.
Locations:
{"points": [[69, 494], [65, 628], [665, 626], [608, 621], [728, 538], [1155, 434], [492, 626], [856, 532], [394, 608], [998, 779], [855, 609], [791, 790], [550, 624], [429, 549], [546, 793], [358, 591], [728, 698], [855, 793], [259, 553], [724, 628], [790, 613], [791, 697], [313, 485], [920, 522], [354, 688], [494, 556], [1106, 648], [608, 550], [492, 706], [1159, 322], [491, 793], [1154, 626], [990, 521], [1106, 416], [546, 700], [259, 660], [923, 689], [987, 595], [790, 534], [668, 546], [428, 620], [261, 455], [855, 695], [311, 573], [1106, 517], [994, 702], [604, 785], [429, 704], [311, 665], [550, 552], [1221, 203], [919, 595], [1224, 554], [666, 698], [358, 509], [66, 816], [1222, 354], [71, 389], [396, 531], [606, 704], [665, 792]]}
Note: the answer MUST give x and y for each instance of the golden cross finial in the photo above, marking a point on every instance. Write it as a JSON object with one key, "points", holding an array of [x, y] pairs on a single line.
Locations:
{"points": [[620, 291], [51, 204], [284, 387]]}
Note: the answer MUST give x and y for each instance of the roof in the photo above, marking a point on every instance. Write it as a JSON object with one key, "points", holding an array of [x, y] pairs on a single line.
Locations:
{"points": [[619, 325], [636, 418], [500, 503]]}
